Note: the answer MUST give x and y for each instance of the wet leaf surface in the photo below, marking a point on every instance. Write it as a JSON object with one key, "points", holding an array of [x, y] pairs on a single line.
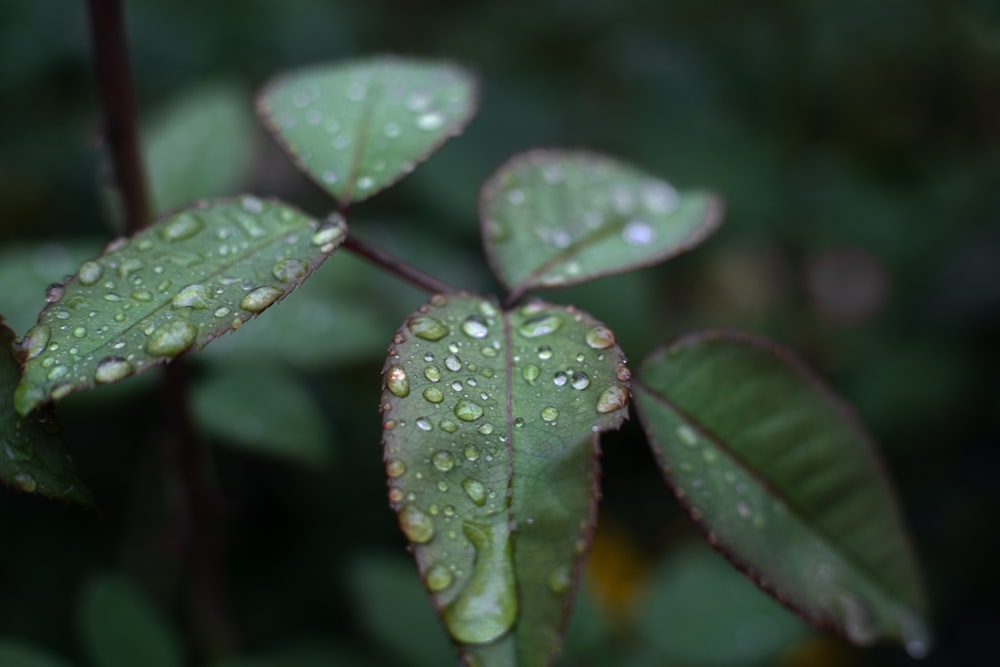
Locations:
{"points": [[557, 217], [33, 457], [177, 285], [359, 127], [491, 423], [784, 481]]}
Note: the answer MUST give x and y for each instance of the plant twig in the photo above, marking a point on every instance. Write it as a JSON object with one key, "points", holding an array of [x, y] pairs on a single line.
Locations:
{"points": [[409, 273], [114, 80]]}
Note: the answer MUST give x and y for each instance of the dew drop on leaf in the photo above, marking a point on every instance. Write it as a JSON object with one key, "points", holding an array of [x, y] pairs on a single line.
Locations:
{"points": [[397, 382], [417, 526], [550, 413], [438, 578], [184, 226], [90, 273], [475, 327], [171, 339], [36, 340], [540, 326], [428, 328], [259, 299], [468, 411], [112, 369], [290, 270], [611, 399], [443, 460], [192, 296], [395, 468], [475, 490], [600, 337], [433, 394]]}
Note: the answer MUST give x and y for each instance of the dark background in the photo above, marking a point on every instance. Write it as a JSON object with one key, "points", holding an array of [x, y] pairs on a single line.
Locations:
{"points": [[856, 144]]}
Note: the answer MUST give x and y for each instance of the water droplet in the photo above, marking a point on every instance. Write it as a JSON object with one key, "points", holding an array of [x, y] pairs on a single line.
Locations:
{"points": [[54, 292], [431, 120], [485, 429], [259, 299], [25, 482], [432, 373], [559, 579], [468, 411], [438, 578], [171, 339], [129, 266], [433, 394], [518, 422], [744, 510], [475, 490], [397, 382], [453, 363], [687, 435], [613, 398], [180, 227], [395, 468], [327, 235], [447, 426], [471, 453], [659, 197], [443, 460], [424, 424], [90, 273], [857, 620], [330, 177], [142, 295], [550, 413], [540, 326], [193, 296], [709, 455], [58, 372], [365, 183], [416, 525], [580, 380], [600, 337], [475, 327], [560, 379], [486, 607], [915, 637], [531, 373], [112, 369], [36, 340], [638, 233], [426, 327], [290, 270], [545, 352]]}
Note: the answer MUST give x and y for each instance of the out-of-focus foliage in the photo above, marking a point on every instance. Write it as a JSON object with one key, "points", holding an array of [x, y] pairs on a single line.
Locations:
{"points": [[855, 144]]}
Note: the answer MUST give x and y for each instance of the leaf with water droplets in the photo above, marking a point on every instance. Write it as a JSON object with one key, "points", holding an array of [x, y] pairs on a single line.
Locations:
{"points": [[33, 457], [358, 127], [782, 479], [555, 217], [176, 285], [491, 422]]}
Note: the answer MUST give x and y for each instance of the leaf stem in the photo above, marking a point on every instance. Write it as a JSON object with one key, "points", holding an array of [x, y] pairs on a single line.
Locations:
{"points": [[114, 81], [394, 265]]}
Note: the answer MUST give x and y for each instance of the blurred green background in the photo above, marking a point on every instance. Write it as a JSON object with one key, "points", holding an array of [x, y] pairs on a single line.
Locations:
{"points": [[857, 146]]}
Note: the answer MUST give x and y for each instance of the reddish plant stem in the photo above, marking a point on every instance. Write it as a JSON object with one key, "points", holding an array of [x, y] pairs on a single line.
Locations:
{"points": [[396, 266], [114, 80]]}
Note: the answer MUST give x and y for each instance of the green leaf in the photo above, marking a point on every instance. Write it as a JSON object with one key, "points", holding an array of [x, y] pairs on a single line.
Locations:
{"points": [[33, 457], [391, 605], [15, 653], [198, 146], [120, 628], [358, 127], [557, 217], [781, 477], [699, 611], [262, 409], [182, 282], [491, 425]]}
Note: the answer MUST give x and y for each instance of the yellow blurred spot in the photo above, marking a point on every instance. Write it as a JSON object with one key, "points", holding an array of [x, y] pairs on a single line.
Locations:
{"points": [[616, 572], [818, 650]]}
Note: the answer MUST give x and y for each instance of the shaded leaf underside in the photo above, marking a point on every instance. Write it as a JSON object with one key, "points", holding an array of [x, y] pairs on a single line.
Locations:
{"points": [[491, 422], [783, 480]]}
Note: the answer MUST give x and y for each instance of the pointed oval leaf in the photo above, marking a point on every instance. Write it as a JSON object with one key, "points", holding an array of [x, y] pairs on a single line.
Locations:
{"points": [[557, 217], [358, 127], [182, 282], [491, 422], [780, 476], [33, 457]]}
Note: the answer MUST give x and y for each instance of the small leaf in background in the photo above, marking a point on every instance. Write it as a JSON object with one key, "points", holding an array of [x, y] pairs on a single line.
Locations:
{"points": [[301, 654], [357, 128], [699, 611], [491, 422], [784, 481], [176, 285], [557, 217], [33, 457], [199, 146], [393, 607], [119, 627], [14, 653], [263, 409]]}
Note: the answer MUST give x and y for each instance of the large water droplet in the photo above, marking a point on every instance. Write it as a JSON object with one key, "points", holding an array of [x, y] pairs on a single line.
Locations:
{"points": [[438, 578], [443, 460], [90, 273], [453, 363], [54, 292], [580, 380], [426, 327], [475, 327], [687, 435], [471, 453], [171, 339], [600, 337], [424, 424], [36, 340], [486, 607], [531, 373], [257, 300], [112, 369], [431, 120], [193, 296], [433, 394], [395, 468], [559, 579], [560, 379], [432, 373], [327, 235], [25, 482], [475, 490], [290, 270], [612, 398], [447, 425], [856, 619], [417, 526], [397, 382], [638, 233], [540, 326], [468, 411], [550, 413], [181, 227]]}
